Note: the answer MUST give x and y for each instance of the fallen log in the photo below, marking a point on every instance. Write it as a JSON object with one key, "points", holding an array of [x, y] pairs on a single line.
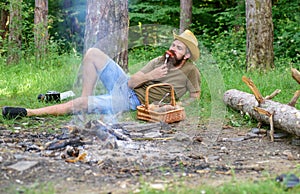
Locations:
{"points": [[284, 117]]}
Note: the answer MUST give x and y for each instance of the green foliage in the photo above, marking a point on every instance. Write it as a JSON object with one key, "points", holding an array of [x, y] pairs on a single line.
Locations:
{"points": [[227, 39], [142, 55], [27, 27], [214, 17], [231, 18], [286, 19], [227, 48], [154, 12], [67, 24]]}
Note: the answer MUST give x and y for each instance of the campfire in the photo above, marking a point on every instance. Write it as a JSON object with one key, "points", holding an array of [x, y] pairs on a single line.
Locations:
{"points": [[71, 142], [106, 136]]}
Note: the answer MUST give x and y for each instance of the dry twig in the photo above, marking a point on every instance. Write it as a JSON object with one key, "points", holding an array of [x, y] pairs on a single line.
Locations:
{"points": [[254, 89], [273, 94], [264, 112], [294, 99], [296, 75], [153, 139]]}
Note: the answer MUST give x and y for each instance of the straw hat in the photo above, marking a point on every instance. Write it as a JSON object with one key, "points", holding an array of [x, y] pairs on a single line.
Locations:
{"points": [[189, 39]]}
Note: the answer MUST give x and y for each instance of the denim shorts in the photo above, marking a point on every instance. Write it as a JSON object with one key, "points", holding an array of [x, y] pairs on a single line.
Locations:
{"points": [[119, 97]]}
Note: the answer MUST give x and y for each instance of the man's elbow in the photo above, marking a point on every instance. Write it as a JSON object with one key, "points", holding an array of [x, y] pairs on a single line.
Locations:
{"points": [[130, 84], [195, 95]]}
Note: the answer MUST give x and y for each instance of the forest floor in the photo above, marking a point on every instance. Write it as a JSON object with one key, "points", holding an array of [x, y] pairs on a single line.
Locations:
{"points": [[84, 159]]}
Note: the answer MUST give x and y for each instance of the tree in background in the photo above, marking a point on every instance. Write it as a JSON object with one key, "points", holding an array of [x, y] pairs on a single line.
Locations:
{"points": [[40, 28], [4, 13], [185, 14], [14, 52], [107, 29], [259, 26]]}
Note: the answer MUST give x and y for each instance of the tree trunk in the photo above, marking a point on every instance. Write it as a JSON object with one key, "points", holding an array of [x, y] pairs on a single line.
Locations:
{"points": [[40, 28], [107, 29], [14, 52], [285, 117], [185, 14], [4, 17], [259, 27]]}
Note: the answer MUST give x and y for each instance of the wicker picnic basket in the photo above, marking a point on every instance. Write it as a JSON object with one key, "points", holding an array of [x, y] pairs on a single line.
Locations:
{"points": [[145, 113]]}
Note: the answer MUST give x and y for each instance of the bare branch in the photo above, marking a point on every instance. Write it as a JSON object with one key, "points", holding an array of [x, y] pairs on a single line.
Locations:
{"points": [[294, 99], [254, 89], [273, 94], [296, 75]]}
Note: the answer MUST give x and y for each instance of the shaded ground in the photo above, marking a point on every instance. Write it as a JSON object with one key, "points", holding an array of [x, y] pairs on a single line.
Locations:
{"points": [[160, 155]]}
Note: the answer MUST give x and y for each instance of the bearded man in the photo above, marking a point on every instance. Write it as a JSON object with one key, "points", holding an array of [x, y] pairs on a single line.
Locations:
{"points": [[126, 93]]}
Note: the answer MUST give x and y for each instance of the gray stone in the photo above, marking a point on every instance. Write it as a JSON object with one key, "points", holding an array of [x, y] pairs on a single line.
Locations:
{"points": [[182, 137], [23, 165], [153, 134]]}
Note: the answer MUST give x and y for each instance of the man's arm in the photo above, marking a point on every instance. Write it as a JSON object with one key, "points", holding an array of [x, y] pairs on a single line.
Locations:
{"points": [[195, 95], [139, 78]]}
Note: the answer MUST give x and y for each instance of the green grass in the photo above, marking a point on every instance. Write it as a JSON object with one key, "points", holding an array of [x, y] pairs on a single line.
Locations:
{"points": [[20, 84], [265, 185], [36, 188], [261, 187]]}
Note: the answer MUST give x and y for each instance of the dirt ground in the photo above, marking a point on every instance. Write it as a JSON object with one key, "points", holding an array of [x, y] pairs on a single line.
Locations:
{"points": [[89, 159]]}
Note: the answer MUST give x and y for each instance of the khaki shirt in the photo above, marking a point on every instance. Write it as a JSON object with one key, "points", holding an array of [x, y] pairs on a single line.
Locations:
{"points": [[187, 78]]}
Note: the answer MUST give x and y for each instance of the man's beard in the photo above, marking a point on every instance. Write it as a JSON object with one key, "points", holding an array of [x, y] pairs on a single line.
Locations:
{"points": [[172, 60]]}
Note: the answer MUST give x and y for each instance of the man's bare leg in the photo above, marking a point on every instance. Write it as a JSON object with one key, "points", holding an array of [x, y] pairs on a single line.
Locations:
{"points": [[73, 106], [93, 61]]}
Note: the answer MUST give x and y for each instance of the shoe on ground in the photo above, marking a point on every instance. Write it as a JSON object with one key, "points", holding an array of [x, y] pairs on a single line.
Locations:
{"points": [[13, 112]]}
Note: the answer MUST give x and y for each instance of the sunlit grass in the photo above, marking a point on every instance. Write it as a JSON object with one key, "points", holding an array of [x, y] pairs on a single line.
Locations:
{"points": [[20, 84], [264, 186]]}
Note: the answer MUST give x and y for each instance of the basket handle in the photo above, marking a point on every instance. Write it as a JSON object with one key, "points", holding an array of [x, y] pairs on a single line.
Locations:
{"points": [[173, 102]]}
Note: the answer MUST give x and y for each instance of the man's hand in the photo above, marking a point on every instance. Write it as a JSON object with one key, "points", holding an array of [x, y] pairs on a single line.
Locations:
{"points": [[139, 78], [193, 96], [188, 101], [158, 72]]}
